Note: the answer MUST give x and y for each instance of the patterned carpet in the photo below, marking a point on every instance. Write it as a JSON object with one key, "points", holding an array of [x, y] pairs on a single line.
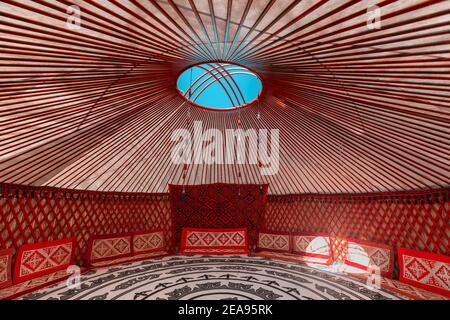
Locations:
{"points": [[203, 277]]}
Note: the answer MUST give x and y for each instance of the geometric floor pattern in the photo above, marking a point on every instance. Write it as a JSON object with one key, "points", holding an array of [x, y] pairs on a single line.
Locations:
{"points": [[216, 278]]}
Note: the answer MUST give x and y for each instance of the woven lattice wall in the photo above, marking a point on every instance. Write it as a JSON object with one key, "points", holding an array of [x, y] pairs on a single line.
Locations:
{"points": [[30, 215], [418, 220]]}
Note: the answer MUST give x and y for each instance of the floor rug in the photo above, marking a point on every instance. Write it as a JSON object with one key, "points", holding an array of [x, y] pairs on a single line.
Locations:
{"points": [[207, 277]]}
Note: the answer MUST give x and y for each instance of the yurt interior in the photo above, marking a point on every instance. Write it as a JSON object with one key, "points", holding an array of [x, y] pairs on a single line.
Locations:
{"points": [[224, 150]]}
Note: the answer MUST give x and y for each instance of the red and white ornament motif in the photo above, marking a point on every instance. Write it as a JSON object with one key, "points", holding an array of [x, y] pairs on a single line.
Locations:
{"points": [[429, 272], [378, 256], [148, 242], [425, 270], [273, 241], [312, 245], [214, 241], [42, 259], [4, 263], [110, 247]]}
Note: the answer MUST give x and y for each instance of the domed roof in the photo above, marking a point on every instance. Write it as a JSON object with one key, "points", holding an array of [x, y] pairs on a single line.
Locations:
{"points": [[360, 95]]}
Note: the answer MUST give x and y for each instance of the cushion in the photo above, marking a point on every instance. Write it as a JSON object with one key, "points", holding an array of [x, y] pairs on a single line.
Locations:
{"points": [[272, 241], [5, 268], [38, 259], [214, 241], [425, 270], [109, 247], [312, 244], [314, 247], [148, 241], [364, 255]]}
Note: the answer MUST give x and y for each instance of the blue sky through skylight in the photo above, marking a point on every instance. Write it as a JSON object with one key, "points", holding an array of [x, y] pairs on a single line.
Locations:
{"points": [[219, 86]]}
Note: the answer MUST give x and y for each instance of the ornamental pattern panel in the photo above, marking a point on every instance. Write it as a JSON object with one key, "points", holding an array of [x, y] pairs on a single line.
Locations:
{"points": [[275, 242], [5, 268], [148, 241], [427, 271], [214, 239], [110, 247], [34, 260], [368, 255], [218, 206], [312, 245]]}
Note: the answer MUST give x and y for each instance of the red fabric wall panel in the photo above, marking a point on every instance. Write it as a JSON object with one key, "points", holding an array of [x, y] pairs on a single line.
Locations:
{"points": [[219, 206]]}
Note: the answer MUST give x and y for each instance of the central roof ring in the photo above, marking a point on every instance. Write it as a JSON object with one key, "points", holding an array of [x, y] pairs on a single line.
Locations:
{"points": [[219, 86]]}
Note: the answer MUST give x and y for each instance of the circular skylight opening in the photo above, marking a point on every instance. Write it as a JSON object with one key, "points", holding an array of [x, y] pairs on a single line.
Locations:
{"points": [[219, 86]]}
